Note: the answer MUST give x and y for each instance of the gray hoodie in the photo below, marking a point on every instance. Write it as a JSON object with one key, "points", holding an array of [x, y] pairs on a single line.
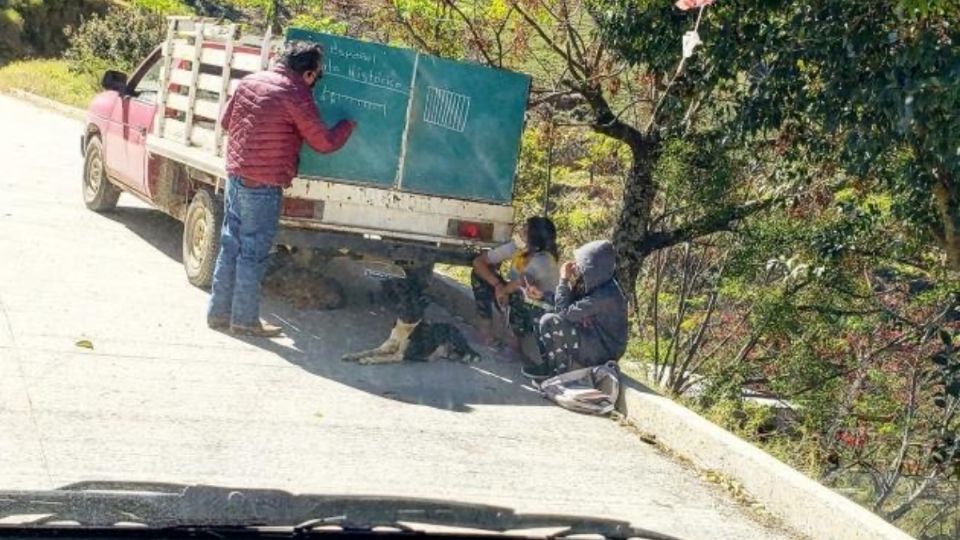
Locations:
{"points": [[599, 308]]}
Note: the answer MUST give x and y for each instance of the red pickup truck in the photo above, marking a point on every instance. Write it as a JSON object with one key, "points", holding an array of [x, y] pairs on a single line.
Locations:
{"points": [[155, 135]]}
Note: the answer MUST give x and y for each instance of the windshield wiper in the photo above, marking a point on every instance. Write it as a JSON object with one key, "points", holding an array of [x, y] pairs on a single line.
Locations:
{"points": [[104, 504]]}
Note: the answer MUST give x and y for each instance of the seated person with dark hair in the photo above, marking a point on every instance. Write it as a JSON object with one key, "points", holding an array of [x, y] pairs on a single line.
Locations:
{"points": [[527, 292]]}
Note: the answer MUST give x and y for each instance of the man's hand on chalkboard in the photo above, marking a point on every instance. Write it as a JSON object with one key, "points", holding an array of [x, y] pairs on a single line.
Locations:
{"points": [[315, 132]]}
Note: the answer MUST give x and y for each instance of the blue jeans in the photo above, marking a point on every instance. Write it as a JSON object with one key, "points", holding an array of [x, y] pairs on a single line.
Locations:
{"points": [[250, 220]]}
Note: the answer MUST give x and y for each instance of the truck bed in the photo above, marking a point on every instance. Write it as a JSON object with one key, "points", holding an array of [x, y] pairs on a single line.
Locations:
{"points": [[364, 209]]}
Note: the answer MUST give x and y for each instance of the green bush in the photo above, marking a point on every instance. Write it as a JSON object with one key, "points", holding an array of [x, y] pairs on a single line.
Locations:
{"points": [[120, 40], [164, 7], [35, 27], [319, 23]]}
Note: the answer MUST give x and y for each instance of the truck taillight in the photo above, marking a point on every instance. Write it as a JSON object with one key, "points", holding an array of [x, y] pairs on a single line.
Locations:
{"points": [[473, 230], [302, 208]]}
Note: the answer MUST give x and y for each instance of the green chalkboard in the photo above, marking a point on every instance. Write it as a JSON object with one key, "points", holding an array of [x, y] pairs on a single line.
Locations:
{"points": [[425, 124], [464, 130], [370, 84]]}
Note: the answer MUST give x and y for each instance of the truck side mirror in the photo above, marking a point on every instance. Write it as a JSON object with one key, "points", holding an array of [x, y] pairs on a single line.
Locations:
{"points": [[114, 80]]}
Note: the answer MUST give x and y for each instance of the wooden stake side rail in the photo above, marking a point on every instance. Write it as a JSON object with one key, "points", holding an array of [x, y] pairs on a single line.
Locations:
{"points": [[201, 68]]}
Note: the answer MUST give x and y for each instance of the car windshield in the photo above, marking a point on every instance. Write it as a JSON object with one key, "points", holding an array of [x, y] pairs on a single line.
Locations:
{"points": [[660, 269]]}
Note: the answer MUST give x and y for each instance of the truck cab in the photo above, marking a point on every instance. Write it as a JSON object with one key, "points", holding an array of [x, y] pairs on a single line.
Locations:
{"points": [[432, 182]]}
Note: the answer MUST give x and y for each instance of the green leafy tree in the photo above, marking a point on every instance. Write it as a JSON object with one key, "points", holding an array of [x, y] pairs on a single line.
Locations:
{"points": [[860, 83], [35, 27]]}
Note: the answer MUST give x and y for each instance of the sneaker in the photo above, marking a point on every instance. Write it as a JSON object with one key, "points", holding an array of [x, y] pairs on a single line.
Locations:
{"points": [[537, 371], [262, 329], [218, 323]]}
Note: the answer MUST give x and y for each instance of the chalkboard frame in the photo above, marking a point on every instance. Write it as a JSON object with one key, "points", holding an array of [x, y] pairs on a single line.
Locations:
{"points": [[505, 184]]}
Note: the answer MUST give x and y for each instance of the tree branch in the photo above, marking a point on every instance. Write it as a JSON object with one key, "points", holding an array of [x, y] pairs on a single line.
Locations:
{"points": [[722, 220], [890, 483], [575, 67], [697, 341], [907, 505], [411, 31], [946, 507], [551, 96], [473, 31], [605, 122], [573, 37], [499, 34]]}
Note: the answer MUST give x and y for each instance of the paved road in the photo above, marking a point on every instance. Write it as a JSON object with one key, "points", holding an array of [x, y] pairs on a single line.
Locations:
{"points": [[162, 398]]}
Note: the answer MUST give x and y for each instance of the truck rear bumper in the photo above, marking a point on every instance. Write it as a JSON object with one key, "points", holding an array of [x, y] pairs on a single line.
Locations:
{"points": [[394, 250], [410, 215]]}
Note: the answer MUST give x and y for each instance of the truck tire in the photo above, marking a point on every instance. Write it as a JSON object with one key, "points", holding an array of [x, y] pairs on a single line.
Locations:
{"points": [[201, 238], [98, 193]]}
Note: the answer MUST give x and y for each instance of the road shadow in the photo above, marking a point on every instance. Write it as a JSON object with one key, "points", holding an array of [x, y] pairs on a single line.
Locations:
{"points": [[158, 229], [315, 340]]}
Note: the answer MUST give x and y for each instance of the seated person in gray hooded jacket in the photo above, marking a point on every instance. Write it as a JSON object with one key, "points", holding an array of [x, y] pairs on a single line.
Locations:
{"points": [[589, 324]]}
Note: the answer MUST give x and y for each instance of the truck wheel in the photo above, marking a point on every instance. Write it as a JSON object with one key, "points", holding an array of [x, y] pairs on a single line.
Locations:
{"points": [[98, 193], [201, 238]]}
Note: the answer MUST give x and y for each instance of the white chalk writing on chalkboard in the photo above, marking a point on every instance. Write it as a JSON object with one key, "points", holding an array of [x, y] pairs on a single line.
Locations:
{"points": [[333, 98], [446, 109], [372, 78], [338, 51]]}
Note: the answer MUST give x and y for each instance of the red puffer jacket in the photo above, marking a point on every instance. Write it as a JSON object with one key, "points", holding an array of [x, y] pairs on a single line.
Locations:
{"points": [[268, 118]]}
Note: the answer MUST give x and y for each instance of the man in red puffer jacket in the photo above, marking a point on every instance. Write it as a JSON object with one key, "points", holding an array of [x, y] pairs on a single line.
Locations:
{"points": [[269, 117]]}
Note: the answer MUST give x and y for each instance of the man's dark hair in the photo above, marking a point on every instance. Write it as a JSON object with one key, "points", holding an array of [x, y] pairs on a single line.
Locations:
{"points": [[301, 56], [541, 236]]}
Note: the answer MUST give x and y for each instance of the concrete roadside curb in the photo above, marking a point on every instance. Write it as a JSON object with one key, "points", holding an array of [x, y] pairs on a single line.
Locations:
{"points": [[49, 104], [800, 502]]}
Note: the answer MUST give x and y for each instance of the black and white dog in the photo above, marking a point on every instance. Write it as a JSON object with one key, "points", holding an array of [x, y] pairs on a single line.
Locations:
{"points": [[413, 339]]}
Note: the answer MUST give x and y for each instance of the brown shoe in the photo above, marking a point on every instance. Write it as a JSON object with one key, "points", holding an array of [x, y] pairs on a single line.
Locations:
{"points": [[218, 323], [262, 329]]}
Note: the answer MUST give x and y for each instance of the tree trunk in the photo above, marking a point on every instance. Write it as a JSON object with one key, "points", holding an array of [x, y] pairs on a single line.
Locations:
{"points": [[634, 220], [946, 197]]}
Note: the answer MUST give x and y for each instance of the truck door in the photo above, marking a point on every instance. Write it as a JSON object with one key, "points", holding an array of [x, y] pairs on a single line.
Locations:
{"points": [[139, 109]]}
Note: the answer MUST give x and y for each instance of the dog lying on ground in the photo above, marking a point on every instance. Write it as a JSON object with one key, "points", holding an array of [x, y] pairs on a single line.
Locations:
{"points": [[413, 339]]}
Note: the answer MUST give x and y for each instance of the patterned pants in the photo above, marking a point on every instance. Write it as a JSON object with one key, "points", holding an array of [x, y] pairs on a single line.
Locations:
{"points": [[522, 316], [559, 342]]}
